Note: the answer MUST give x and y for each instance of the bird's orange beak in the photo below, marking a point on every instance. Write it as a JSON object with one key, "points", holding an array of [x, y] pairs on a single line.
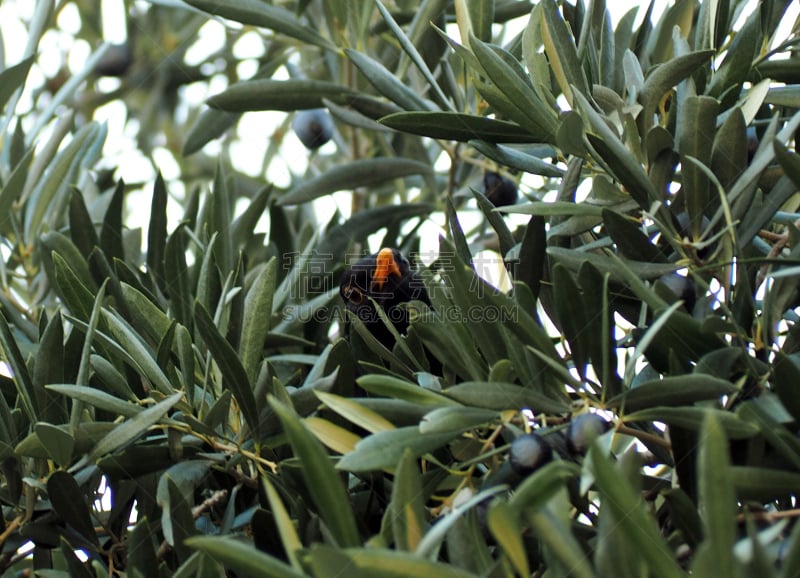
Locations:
{"points": [[385, 265]]}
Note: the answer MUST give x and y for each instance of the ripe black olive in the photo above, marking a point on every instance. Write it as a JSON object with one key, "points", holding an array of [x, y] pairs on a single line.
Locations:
{"points": [[314, 127], [500, 190], [583, 430], [528, 453]]}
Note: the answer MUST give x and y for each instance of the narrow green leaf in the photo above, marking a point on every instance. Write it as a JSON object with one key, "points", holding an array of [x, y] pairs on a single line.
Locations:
{"points": [[382, 451], [539, 487], [263, 15], [243, 229], [692, 418], [574, 321], [329, 561], [555, 209], [516, 159], [12, 190], [559, 45], [739, 59], [753, 483], [322, 481], [146, 315], [58, 442], [72, 255], [257, 315], [96, 398], [625, 504], [790, 564], [218, 222], [338, 238], [13, 78], [234, 374], [387, 386], [414, 55], [49, 368], [81, 228], [140, 356], [504, 236], [355, 413], [176, 517], [291, 541], [407, 505], [532, 255], [672, 391], [242, 557], [349, 176], [432, 541], [505, 527], [394, 564], [386, 83], [157, 228], [458, 127], [717, 502], [141, 552], [455, 418], [286, 95], [790, 161], [459, 246], [176, 276], [76, 296], [631, 242], [86, 436], [129, 430], [111, 230], [450, 342], [481, 16], [49, 195], [696, 130], [613, 151], [555, 534], [667, 75], [70, 503], [503, 396], [618, 269], [770, 425], [210, 124], [22, 378], [519, 97]]}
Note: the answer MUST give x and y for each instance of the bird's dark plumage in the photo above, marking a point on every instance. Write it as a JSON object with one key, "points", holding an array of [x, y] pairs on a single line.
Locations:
{"points": [[388, 279]]}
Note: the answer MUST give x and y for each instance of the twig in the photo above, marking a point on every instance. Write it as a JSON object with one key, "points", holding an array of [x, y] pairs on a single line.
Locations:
{"points": [[197, 511], [10, 529]]}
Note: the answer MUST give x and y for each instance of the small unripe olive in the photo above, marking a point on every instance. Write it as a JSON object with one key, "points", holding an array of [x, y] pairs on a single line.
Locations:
{"points": [[583, 430], [528, 453], [314, 127]]}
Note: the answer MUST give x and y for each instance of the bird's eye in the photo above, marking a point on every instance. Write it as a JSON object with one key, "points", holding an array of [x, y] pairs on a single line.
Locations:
{"points": [[353, 294]]}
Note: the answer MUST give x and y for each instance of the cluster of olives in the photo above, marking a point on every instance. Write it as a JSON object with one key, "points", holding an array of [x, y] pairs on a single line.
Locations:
{"points": [[531, 451]]}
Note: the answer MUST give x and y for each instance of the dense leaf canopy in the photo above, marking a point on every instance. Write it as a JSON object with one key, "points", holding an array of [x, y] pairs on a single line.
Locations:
{"points": [[588, 364]]}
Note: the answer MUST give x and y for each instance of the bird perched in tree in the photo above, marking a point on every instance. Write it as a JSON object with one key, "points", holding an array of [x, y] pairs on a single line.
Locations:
{"points": [[387, 280]]}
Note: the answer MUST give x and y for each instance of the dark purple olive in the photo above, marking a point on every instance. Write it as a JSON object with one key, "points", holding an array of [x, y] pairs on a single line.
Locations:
{"points": [[583, 430], [500, 190], [528, 453], [116, 61], [682, 287], [314, 127]]}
